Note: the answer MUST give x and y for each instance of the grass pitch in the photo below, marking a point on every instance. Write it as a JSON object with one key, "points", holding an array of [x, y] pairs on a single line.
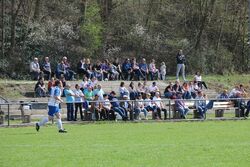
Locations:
{"points": [[209, 143]]}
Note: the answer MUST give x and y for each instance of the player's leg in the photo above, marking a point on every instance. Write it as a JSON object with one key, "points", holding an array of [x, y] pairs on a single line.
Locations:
{"points": [[59, 123]]}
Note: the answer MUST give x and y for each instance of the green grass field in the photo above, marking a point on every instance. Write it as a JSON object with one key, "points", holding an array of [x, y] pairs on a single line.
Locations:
{"points": [[209, 143]]}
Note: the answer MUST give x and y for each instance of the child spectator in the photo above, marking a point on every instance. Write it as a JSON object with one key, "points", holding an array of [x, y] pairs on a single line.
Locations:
{"points": [[198, 79], [163, 71]]}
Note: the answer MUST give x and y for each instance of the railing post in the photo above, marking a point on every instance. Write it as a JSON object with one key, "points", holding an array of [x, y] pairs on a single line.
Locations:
{"points": [[8, 114], [169, 108]]}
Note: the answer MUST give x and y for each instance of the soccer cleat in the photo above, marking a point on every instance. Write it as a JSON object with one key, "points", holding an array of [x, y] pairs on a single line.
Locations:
{"points": [[37, 127], [62, 131]]}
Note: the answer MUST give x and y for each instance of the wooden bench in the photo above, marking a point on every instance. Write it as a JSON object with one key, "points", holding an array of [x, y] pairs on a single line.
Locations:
{"points": [[220, 106]]}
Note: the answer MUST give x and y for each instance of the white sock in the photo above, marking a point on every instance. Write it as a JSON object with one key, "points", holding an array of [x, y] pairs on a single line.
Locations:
{"points": [[43, 121], [59, 124]]}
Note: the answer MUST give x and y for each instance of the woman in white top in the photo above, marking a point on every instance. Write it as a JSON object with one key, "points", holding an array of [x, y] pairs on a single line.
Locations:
{"points": [[198, 79], [123, 90]]}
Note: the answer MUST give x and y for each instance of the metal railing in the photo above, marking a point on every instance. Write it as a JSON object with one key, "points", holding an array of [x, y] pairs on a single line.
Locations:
{"points": [[168, 103]]}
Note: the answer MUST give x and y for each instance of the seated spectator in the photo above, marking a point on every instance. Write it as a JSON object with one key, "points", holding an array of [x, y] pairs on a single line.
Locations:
{"points": [[106, 109], [180, 105], [186, 91], [139, 107], [248, 109], [40, 89], [88, 69], [157, 106], [132, 91], [153, 71], [146, 87], [123, 90], [80, 67], [126, 105], [223, 95], [194, 88], [169, 92], [70, 99], [234, 91], [84, 83], [51, 83], [60, 70], [99, 91], [46, 68], [136, 70], [97, 71], [69, 73], [117, 64], [116, 106], [177, 87], [201, 105], [93, 82], [148, 103], [198, 79], [35, 69], [78, 101], [140, 89], [96, 108], [163, 71], [127, 70], [240, 103], [242, 90], [113, 74], [144, 69], [105, 69], [153, 89]]}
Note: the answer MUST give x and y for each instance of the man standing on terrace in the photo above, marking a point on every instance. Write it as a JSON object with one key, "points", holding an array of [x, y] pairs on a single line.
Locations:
{"points": [[180, 57]]}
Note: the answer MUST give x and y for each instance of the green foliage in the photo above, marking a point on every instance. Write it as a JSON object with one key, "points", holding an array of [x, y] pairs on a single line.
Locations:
{"points": [[92, 28], [219, 143]]}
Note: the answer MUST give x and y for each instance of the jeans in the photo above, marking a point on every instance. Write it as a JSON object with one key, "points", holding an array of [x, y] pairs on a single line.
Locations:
{"points": [[139, 110], [180, 67], [70, 110], [120, 111], [203, 109], [183, 111]]}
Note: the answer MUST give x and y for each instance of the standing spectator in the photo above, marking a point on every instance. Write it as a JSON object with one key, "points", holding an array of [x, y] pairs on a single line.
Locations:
{"points": [[78, 101], [70, 99], [198, 79], [144, 69], [35, 69], [180, 57], [163, 71], [46, 68], [153, 71], [40, 89], [180, 105]]}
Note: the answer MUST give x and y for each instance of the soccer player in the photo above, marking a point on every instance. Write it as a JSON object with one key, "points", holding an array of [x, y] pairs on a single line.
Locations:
{"points": [[53, 105]]}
